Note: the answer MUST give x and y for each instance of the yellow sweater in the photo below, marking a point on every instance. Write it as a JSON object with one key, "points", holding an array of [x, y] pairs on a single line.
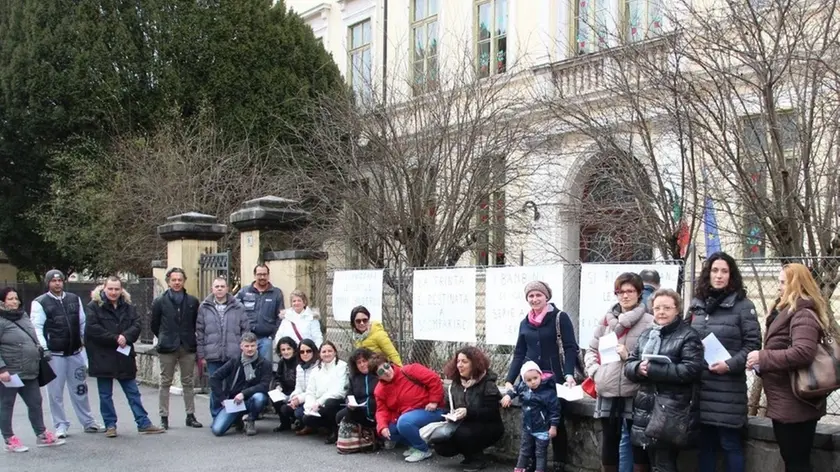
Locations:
{"points": [[378, 341]]}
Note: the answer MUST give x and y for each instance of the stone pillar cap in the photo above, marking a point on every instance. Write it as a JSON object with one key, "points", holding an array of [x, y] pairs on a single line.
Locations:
{"points": [[269, 213], [192, 225], [158, 264]]}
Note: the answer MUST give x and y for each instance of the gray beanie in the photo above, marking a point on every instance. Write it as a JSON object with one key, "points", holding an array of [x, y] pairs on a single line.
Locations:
{"points": [[54, 274], [541, 287]]}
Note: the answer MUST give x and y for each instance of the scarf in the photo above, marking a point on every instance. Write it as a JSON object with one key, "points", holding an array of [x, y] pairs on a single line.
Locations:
{"points": [[248, 366], [654, 341], [9, 314], [536, 319], [467, 383], [715, 298], [359, 337]]}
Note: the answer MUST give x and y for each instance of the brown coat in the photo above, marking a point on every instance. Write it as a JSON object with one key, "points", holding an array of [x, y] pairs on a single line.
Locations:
{"points": [[789, 343]]}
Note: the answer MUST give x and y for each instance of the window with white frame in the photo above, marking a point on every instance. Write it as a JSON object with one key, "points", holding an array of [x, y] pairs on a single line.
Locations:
{"points": [[642, 19], [424, 34], [491, 23], [589, 25], [359, 59]]}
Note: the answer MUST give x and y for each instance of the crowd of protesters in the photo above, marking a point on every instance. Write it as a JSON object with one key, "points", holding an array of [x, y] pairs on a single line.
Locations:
{"points": [[660, 398]]}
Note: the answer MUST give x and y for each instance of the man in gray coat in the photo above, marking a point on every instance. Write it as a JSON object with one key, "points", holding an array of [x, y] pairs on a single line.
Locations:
{"points": [[221, 323]]}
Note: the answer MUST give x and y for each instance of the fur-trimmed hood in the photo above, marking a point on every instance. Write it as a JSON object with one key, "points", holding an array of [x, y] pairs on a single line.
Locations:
{"points": [[97, 295]]}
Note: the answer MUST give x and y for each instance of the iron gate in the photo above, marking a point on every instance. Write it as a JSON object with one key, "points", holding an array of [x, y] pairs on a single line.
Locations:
{"points": [[211, 266]]}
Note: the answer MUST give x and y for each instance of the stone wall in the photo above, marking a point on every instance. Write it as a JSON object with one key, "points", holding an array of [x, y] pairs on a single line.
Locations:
{"points": [[584, 434], [148, 370]]}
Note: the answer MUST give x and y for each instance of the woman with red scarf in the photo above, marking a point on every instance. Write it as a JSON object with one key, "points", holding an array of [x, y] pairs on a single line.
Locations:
{"points": [[538, 341]]}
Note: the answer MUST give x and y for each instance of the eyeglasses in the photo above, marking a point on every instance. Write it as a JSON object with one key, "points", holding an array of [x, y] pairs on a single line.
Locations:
{"points": [[306, 351], [383, 369], [361, 320], [624, 292]]}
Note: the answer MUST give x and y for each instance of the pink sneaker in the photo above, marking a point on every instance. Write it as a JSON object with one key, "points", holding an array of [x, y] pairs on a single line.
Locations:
{"points": [[47, 439], [13, 444]]}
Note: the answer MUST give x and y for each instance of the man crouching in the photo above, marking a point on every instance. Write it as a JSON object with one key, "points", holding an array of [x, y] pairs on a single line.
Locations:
{"points": [[242, 380]]}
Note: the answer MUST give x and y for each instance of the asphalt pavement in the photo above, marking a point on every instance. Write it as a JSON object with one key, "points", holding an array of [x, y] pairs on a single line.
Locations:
{"points": [[185, 449]]}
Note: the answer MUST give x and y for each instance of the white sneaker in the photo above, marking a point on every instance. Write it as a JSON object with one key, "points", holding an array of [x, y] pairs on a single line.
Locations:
{"points": [[13, 444], [418, 456], [61, 432], [409, 451]]}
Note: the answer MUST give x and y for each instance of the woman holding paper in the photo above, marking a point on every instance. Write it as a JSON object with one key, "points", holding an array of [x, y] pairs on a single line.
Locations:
{"points": [[284, 378], [324, 393], [794, 329], [615, 337], [475, 402], [307, 361], [727, 323], [20, 355], [362, 408], [371, 335], [673, 383]]}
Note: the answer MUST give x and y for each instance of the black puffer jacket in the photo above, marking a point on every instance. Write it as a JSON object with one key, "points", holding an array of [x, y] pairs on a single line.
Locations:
{"points": [[285, 375], [682, 344], [723, 398], [174, 324], [481, 400], [105, 323], [362, 387]]}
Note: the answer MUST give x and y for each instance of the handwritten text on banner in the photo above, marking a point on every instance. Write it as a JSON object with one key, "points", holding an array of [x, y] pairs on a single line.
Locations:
{"points": [[506, 304], [444, 305], [352, 288]]}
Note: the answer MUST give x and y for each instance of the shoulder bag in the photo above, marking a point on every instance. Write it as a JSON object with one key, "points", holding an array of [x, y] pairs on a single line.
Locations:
{"points": [[816, 381], [45, 371], [440, 431]]}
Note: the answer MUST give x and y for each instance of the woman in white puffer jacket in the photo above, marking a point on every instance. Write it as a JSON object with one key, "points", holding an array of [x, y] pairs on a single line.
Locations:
{"points": [[300, 321], [325, 393]]}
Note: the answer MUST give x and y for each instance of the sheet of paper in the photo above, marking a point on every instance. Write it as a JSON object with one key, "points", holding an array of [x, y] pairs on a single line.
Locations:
{"points": [[14, 382], [232, 407], [311, 413], [607, 349], [713, 350], [126, 351], [570, 394], [656, 358], [352, 403], [277, 396], [450, 417]]}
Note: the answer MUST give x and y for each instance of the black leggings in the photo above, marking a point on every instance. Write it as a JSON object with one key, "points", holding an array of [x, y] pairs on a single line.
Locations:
{"points": [[356, 415], [795, 442], [31, 395], [328, 412], [611, 439]]}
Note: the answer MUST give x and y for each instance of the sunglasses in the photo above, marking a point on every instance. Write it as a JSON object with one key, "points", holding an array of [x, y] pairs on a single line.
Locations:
{"points": [[383, 369], [361, 320], [306, 351]]}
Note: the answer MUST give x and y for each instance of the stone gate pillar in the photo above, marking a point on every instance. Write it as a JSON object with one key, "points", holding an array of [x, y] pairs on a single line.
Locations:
{"points": [[8, 272], [187, 236]]}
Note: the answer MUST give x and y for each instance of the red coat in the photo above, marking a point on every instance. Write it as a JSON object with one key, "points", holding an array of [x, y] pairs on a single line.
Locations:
{"points": [[402, 394]]}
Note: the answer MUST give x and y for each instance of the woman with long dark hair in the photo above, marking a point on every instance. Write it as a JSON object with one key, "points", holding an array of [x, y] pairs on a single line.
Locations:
{"points": [[307, 361], [285, 377], [721, 307]]}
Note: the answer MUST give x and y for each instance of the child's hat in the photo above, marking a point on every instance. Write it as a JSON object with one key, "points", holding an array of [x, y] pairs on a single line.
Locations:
{"points": [[530, 365]]}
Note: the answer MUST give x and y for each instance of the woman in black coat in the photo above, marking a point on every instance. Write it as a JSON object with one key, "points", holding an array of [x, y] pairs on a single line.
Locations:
{"points": [[475, 400], [111, 329], [284, 378], [362, 384], [675, 382]]}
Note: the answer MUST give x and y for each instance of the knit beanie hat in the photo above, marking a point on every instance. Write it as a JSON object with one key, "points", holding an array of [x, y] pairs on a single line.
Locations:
{"points": [[541, 287], [530, 365], [53, 274]]}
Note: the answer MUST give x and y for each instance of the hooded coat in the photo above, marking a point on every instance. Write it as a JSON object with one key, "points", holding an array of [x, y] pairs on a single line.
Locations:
{"points": [[19, 352], [105, 323]]}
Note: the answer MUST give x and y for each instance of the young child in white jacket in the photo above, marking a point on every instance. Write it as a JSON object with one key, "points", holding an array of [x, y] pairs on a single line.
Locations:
{"points": [[325, 393]]}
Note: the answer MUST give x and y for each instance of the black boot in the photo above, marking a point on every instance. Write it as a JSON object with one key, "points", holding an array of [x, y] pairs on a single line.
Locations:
{"points": [[164, 422], [192, 422], [284, 426], [332, 438]]}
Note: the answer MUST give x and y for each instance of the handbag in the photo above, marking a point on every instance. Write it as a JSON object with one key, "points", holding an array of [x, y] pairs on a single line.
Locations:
{"points": [[440, 431], [588, 386], [353, 438], [671, 423], [579, 373], [45, 372], [816, 381]]}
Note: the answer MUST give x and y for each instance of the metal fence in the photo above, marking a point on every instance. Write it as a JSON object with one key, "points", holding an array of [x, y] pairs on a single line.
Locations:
{"points": [[760, 279]]}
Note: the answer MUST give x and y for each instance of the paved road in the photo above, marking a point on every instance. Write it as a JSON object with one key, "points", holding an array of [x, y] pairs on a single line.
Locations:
{"points": [[184, 449]]}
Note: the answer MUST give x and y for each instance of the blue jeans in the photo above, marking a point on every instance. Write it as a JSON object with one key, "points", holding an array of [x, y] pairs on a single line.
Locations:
{"points": [[407, 427], [729, 440], [625, 450], [132, 394], [212, 367], [264, 346], [253, 406]]}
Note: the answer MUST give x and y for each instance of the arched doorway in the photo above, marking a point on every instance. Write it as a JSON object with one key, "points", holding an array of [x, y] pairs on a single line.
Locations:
{"points": [[610, 212]]}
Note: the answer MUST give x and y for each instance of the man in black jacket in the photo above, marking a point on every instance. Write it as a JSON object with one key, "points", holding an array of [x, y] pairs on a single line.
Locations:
{"points": [[174, 316], [243, 380]]}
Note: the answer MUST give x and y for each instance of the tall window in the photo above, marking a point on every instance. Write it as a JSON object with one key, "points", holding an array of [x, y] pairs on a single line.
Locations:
{"points": [[424, 34], [491, 225], [491, 37], [360, 68], [757, 154], [589, 25], [642, 19]]}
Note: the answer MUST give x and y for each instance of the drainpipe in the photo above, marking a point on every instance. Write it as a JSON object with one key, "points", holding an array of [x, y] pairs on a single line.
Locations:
{"points": [[385, 53]]}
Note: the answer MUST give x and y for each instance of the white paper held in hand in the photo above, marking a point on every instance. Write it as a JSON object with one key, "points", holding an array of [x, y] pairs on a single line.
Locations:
{"points": [[14, 382], [277, 396], [126, 351], [713, 350], [570, 394], [311, 413], [656, 358], [607, 349], [451, 417], [232, 407], [352, 403]]}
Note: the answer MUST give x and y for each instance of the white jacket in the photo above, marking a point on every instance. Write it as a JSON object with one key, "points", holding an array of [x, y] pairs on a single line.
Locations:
{"points": [[308, 324], [302, 381], [328, 381]]}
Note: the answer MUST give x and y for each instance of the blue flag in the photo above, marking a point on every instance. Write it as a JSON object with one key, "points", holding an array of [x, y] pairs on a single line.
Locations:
{"points": [[711, 227]]}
